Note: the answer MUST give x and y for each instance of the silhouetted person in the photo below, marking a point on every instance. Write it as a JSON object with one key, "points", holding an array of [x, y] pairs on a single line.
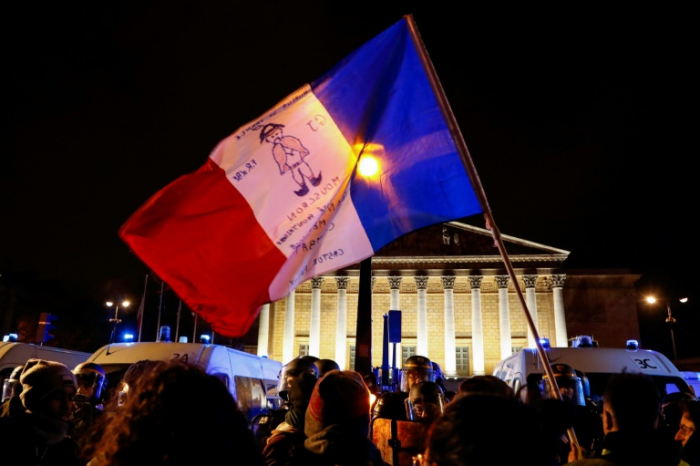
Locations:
{"points": [[578, 415], [425, 402], [486, 430], [337, 422], [178, 415], [485, 385], [38, 434], [11, 390], [687, 432], [390, 405], [285, 446], [326, 365], [87, 403], [631, 410]]}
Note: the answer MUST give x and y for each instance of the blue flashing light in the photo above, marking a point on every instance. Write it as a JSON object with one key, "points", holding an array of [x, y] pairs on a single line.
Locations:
{"points": [[632, 345], [545, 343], [128, 337], [583, 341], [204, 339]]}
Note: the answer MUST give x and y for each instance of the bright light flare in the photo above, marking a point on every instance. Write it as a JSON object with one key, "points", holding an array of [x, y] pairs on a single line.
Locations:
{"points": [[123, 303], [368, 166], [650, 299]]}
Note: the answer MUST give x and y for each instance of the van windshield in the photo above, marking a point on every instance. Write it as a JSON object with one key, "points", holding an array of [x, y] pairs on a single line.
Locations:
{"points": [[665, 384]]}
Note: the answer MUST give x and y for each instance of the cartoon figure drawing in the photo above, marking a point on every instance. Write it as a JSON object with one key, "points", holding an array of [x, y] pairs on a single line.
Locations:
{"points": [[289, 154]]}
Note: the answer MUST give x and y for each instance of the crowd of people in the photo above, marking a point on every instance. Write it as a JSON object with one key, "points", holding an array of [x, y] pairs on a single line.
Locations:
{"points": [[174, 413]]}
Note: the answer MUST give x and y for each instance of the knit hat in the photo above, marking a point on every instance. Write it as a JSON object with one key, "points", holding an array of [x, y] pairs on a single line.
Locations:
{"points": [[339, 397], [41, 378]]}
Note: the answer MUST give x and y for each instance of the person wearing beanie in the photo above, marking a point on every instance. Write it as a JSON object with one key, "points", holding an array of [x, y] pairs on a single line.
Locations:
{"points": [[37, 433], [285, 446], [338, 420]]}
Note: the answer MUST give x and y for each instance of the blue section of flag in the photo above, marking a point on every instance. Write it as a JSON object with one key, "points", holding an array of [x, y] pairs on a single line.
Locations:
{"points": [[380, 94]]}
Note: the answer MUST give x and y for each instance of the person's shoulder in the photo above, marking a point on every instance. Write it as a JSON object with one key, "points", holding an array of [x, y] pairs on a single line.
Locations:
{"points": [[591, 462]]}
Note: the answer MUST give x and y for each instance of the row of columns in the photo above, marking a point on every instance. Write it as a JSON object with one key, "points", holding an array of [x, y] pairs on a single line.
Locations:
{"points": [[448, 282]]}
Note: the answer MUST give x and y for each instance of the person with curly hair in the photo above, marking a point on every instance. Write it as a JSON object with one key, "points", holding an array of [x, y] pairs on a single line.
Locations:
{"points": [[179, 415], [483, 429]]}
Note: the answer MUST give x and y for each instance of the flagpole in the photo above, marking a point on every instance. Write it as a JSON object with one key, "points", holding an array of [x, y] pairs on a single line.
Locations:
{"points": [[481, 195], [194, 328], [160, 309], [363, 332], [177, 325], [142, 306]]}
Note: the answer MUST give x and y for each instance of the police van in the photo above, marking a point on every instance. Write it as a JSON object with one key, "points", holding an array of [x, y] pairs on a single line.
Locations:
{"points": [[595, 365], [693, 379], [13, 354], [248, 377]]}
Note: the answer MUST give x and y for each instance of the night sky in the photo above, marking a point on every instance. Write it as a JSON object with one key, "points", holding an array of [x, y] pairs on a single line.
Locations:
{"points": [[579, 123]]}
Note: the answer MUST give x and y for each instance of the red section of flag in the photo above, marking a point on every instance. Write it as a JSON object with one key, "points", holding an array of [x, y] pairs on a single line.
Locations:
{"points": [[200, 236]]}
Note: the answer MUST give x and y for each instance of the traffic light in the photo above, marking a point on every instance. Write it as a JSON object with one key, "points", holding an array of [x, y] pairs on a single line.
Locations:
{"points": [[43, 332]]}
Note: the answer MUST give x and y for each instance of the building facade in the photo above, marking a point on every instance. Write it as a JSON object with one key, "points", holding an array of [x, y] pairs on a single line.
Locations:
{"points": [[458, 305]]}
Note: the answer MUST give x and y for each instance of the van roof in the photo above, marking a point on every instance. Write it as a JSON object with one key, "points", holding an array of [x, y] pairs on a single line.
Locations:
{"points": [[129, 353], [602, 360], [17, 353], [117, 356]]}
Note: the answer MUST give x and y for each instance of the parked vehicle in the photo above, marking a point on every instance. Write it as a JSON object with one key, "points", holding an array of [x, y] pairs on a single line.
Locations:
{"points": [[13, 354], [251, 379], [596, 365], [693, 379]]}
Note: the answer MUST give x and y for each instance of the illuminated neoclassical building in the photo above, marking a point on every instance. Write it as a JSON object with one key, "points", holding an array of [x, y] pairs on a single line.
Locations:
{"points": [[458, 305]]}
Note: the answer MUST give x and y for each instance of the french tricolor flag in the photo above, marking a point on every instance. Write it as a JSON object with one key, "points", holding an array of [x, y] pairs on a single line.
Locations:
{"points": [[282, 199]]}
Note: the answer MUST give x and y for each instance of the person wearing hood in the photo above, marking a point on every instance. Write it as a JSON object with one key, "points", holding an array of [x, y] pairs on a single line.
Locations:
{"points": [[285, 446], [37, 434], [338, 420]]}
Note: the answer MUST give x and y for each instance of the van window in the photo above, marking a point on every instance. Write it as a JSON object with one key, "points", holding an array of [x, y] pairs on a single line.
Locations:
{"points": [[224, 378], [250, 396]]}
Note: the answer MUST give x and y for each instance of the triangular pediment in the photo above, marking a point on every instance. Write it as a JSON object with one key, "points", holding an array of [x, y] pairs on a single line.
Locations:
{"points": [[457, 245], [460, 239]]}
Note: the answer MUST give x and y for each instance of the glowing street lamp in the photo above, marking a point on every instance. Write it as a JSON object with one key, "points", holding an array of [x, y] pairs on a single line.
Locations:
{"points": [[670, 320], [116, 320]]}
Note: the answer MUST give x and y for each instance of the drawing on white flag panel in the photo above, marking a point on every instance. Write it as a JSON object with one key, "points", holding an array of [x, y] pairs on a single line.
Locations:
{"points": [[289, 153]]}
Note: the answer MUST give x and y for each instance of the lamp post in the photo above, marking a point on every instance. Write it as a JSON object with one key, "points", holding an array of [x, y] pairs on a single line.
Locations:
{"points": [[116, 320], [670, 320]]}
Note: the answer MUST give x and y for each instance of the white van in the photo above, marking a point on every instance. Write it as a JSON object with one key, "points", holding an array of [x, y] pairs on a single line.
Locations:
{"points": [[598, 364], [693, 379], [13, 354], [249, 378]]}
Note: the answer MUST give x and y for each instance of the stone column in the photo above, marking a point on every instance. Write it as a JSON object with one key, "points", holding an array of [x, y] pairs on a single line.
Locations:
{"points": [[288, 341], [341, 326], [315, 329], [422, 313], [395, 299], [477, 326], [504, 316], [531, 301], [395, 305], [448, 285], [559, 317], [264, 330]]}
